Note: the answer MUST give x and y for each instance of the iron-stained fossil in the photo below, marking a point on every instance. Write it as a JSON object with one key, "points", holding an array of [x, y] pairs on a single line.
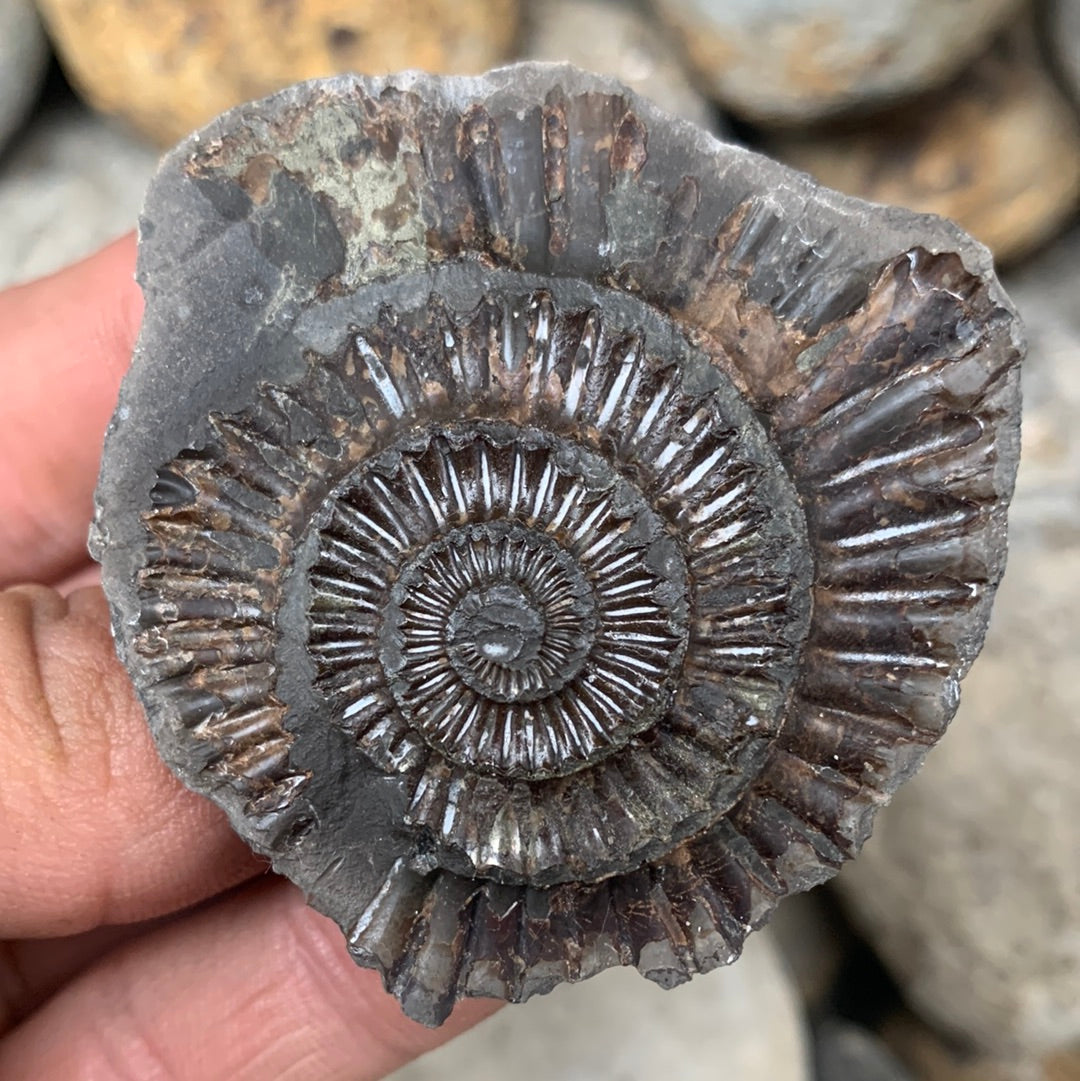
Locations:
{"points": [[548, 532]]}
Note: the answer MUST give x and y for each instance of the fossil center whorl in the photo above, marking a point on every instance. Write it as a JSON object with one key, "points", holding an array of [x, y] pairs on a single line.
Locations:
{"points": [[495, 635], [502, 637], [566, 592], [534, 625], [546, 573]]}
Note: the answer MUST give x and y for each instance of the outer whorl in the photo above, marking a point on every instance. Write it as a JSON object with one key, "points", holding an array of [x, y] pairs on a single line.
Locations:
{"points": [[548, 532]]}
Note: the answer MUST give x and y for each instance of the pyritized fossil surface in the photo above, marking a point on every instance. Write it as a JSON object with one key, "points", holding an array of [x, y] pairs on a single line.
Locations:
{"points": [[548, 532]]}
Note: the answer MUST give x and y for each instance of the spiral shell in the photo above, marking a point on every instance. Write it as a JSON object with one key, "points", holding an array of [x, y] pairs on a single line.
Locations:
{"points": [[548, 532]]}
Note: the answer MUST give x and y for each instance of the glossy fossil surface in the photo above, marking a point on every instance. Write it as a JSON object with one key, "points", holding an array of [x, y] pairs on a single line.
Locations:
{"points": [[549, 533]]}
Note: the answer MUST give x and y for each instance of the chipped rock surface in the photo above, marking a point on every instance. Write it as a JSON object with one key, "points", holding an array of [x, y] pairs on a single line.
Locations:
{"points": [[786, 61], [168, 67], [71, 183], [24, 54], [743, 1023], [970, 887], [619, 39], [998, 152]]}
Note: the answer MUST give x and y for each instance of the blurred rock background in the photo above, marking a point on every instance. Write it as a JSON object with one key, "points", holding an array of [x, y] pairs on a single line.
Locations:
{"points": [[950, 950]]}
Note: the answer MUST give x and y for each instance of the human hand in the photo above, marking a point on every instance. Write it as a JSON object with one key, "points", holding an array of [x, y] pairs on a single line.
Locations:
{"points": [[139, 938]]}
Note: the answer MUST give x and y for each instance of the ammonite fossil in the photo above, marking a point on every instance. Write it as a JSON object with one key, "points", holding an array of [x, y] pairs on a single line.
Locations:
{"points": [[549, 533]]}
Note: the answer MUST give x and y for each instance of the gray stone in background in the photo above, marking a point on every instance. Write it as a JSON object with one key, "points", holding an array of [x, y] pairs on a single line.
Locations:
{"points": [[848, 1052], [69, 184], [24, 56], [615, 37], [785, 61], [1064, 39], [970, 887], [742, 1023]]}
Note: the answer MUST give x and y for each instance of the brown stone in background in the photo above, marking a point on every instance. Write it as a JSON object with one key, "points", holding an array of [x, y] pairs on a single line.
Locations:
{"points": [[998, 152], [1064, 1066], [933, 1059], [790, 61], [168, 66]]}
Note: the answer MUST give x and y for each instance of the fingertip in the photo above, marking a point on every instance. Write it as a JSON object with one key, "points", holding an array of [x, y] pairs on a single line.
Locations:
{"points": [[111, 274], [255, 985], [68, 340], [88, 577]]}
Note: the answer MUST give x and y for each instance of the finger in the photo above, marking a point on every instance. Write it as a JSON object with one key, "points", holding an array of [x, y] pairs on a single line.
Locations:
{"points": [[67, 342], [95, 829], [89, 575], [254, 986], [32, 970]]}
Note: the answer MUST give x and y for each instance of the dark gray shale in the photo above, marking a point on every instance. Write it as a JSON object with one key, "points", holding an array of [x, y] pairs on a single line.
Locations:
{"points": [[548, 532]]}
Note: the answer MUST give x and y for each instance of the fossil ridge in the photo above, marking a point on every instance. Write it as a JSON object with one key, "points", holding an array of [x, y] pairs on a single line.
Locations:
{"points": [[548, 532]]}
